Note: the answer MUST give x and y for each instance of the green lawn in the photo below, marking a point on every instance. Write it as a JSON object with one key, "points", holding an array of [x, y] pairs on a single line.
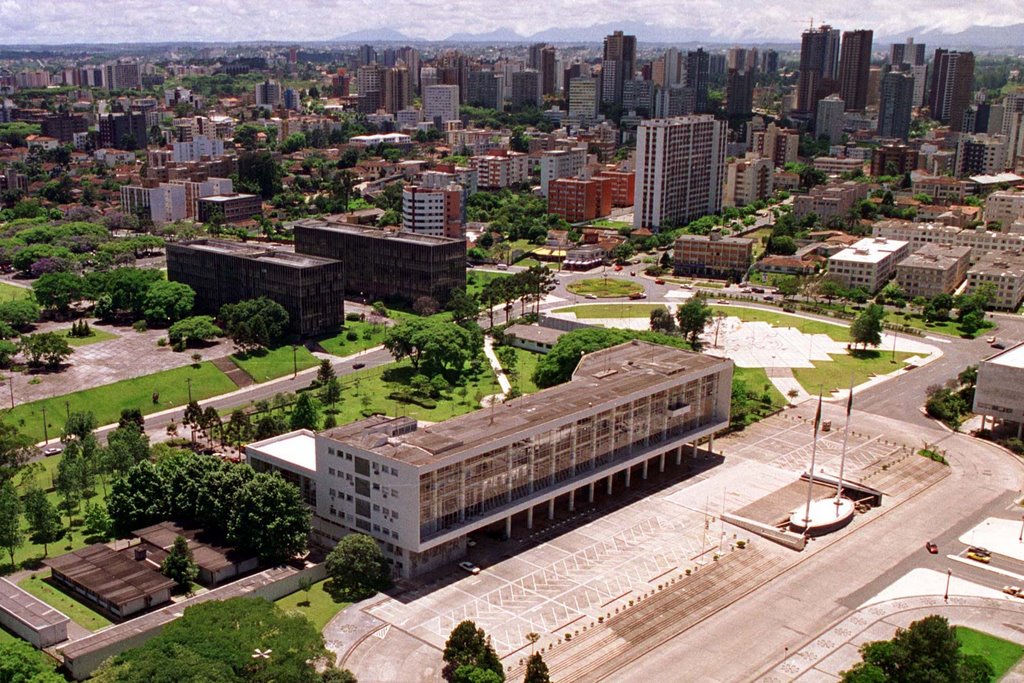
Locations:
{"points": [[9, 292], [837, 332], [835, 374], [107, 402], [369, 335], [605, 288], [75, 610], [95, 337], [320, 608], [1001, 654], [950, 327], [747, 412], [526, 363], [267, 364], [475, 280], [611, 310], [609, 223]]}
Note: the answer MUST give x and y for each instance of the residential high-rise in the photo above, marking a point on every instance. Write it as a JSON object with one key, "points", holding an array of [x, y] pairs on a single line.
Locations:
{"points": [[739, 93], [895, 105], [819, 67], [485, 89], [617, 66], [441, 103], [548, 70], [697, 75], [769, 61], [433, 211], [908, 53], [854, 68], [410, 57], [124, 76], [269, 94], [366, 55], [583, 99], [680, 169], [668, 69], [829, 120], [525, 89], [397, 88], [952, 83], [369, 82]]}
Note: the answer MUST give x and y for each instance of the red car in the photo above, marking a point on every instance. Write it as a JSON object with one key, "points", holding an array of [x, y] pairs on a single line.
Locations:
{"points": [[932, 548], [659, 281]]}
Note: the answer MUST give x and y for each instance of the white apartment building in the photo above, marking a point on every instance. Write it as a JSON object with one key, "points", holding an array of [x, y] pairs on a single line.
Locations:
{"points": [[829, 120], [1005, 272], [199, 146], [561, 163], [433, 211], [1005, 207], [680, 170], [496, 171], [162, 204], [999, 394], [869, 263], [748, 180], [196, 190], [440, 104], [420, 491]]}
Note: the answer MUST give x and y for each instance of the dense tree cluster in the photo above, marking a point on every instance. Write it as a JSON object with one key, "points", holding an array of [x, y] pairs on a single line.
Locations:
{"points": [[254, 323], [469, 656], [356, 569]]}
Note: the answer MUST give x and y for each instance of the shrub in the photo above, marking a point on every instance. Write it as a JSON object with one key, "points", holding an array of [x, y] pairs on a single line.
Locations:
{"points": [[352, 335], [352, 317], [140, 326]]}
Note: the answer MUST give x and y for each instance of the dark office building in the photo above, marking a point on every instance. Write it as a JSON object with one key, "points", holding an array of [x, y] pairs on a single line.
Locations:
{"points": [[124, 131], [952, 84], [819, 67], [739, 95], [384, 265], [698, 67], [855, 68], [895, 105], [484, 89], [230, 208], [769, 61], [64, 126], [311, 289]]}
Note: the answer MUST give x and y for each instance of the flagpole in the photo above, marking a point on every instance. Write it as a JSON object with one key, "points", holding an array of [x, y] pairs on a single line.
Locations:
{"points": [[814, 453], [846, 438]]}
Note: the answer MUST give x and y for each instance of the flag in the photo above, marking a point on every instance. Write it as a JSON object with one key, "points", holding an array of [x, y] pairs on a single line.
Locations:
{"points": [[817, 416]]}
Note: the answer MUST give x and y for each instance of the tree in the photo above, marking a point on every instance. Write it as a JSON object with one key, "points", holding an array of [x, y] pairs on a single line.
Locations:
{"points": [[48, 347], [788, 286], [258, 172], [304, 414], [96, 524], [662, 321], [19, 313], [11, 535], [867, 327], [214, 642], [254, 323], [693, 317], [167, 302], [43, 519], [536, 670], [8, 350], [927, 650], [464, 308], [270, 519], [179, 565], [324, 373], [136, 498], [192, 331], [356, 569], [468, 645], [330, 393], [22, 663], [15, 450], [425, 305], [126, 446], [433, 344], [79, 426], [335, 675]]}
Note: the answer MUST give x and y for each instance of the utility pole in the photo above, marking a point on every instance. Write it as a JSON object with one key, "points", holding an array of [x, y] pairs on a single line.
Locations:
{"points": [[46, 437], [295, 362], [188, 380]]}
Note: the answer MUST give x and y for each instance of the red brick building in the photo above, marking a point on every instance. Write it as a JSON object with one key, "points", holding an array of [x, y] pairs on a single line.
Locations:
{"points": [[580, 200], [623, 186]]}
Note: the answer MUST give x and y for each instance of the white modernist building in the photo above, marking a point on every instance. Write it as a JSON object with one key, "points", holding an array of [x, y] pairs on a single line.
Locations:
{"points": [[421, 490], [999, 394], [869, 263], [440, 104]]}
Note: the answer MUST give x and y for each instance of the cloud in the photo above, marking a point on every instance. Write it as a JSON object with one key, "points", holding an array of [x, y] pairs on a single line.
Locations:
{"points": [[71, 21]]}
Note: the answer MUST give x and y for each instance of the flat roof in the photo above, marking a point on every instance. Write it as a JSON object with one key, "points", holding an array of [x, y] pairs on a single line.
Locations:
{"points": [[600, 376], [27, 608], [296, 448], [225, 197], [113, 576], [1000, 263], [338, 224], [534, 333], [257, 252], [1012, 357], [869, 250], [997, 178]]}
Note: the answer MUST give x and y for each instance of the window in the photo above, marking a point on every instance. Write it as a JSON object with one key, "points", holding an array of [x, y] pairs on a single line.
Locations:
{"points": [[363, 466], [362, 487], [363, 508]]}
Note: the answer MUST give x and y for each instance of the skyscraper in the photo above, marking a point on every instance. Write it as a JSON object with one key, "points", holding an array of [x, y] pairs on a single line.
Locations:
{"points": [[485, 88], [440, 104], [829, 119], [548, 69], [895, 105], [617, 66], [854, 68], [769, 61], [525, 89], [739, 93], [819, 66], [680, 169], [697, 74], [583, 99], [397, 88], [952, 83], [908, 53]]}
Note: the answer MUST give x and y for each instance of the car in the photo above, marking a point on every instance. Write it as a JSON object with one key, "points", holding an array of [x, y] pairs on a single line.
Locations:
{"points": [[502, 266], [769, 297], [590, 296], [998, 345], [1013, 590], [53, 450], [757, 290], [638, 295], [358, 366], [617, 268], [932, 548], [979, 555], [686, 285], [990, 340], [659, 281], [469, 567]]}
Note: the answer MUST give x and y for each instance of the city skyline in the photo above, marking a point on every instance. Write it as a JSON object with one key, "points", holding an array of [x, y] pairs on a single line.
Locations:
{"points": [[103, 21]]}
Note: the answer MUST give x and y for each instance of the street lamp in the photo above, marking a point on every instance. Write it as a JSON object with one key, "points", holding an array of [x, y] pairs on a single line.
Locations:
{"points": [[949, 575], [1021, 536]]}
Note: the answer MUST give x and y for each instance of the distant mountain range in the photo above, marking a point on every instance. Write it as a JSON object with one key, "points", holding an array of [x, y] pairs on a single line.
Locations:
{"points": [[984, 37]]}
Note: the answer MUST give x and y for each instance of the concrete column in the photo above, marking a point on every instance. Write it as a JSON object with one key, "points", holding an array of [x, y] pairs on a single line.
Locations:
{"points": [[572, 500], [679, 456], [529, 518], [609, 484], [508, 527], [629, 471], [590, 492], [661, 462], [551, 509], [644, 475], [711, 444]]}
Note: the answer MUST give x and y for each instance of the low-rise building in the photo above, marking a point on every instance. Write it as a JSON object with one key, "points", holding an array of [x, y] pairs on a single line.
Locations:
{"points": [[1004, 207], [838, 165], [932, 270], [578, 200], [830, 202], [230, 208], [501, 169], [30, 618], [713, 255], [623, 185], [162, 204], [420, 491], [893, 160], [310, 288], [1005, 272], [939, 188], [532, 337], [748, 180], [999, 393], [869, 263]]}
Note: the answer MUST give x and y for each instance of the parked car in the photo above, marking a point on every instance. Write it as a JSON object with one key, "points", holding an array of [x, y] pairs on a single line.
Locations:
{"points": [[469, 567], [659, 281], [358, 366], [979, 555], [53, 450], [932, 548], [502, 266], [990, 340], [1013, 590], [617, 267], [998, 345]]}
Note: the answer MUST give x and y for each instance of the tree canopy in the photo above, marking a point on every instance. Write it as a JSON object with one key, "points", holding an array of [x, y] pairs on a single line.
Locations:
{"points": [[22, 663], [356, 568], [866, 329], [432, 345], [559, 364], [254, 323], [467, 650]]}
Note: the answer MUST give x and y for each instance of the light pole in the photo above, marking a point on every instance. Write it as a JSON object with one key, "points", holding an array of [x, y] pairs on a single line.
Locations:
{"points": [[10, 383], [46, 436], [188, 380], [1021, 536], [895, 336], [295, 362], [949, 575]]}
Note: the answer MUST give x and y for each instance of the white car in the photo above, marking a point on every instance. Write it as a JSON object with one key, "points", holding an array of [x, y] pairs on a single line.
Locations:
{"points": [[52, 450], [590, 296], [469, 567]]}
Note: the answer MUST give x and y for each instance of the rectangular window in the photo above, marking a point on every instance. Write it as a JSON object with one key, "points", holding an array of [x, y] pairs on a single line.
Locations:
{"points": [[362, 487], [362, 466], [363, 508]]}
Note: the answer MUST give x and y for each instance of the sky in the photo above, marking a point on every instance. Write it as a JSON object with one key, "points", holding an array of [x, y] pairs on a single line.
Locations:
{"points": [[72, 21]]}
